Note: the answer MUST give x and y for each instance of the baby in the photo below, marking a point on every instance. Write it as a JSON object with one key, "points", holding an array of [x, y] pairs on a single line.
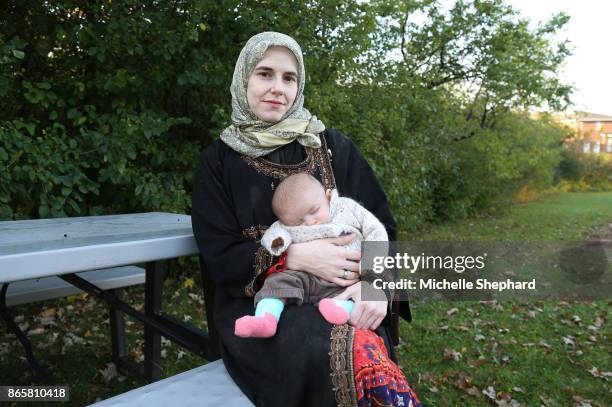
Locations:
{"points": [[306, 211]]}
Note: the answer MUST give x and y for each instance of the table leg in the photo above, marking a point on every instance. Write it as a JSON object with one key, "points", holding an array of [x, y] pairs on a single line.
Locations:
{"points": [[25, 342], [155, 273], [117, 326]]}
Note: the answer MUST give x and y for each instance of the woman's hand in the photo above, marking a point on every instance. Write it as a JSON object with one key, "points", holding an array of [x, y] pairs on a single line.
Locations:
{"points": [[327, 259], [366, 314]]}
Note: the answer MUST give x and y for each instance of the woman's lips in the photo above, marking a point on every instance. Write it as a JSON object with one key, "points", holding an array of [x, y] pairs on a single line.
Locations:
{"points": [[273, 102]]}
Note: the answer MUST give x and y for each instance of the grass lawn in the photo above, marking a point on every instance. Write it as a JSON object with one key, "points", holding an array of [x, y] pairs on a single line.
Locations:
{"points": [[545, 353]]}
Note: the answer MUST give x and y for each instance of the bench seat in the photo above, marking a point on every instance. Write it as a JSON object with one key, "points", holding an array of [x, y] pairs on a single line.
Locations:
{"points": [[39, 289], [208, 385]]}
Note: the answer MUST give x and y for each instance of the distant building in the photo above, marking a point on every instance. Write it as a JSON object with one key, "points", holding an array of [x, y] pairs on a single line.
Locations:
{"points": [[593, 132]]}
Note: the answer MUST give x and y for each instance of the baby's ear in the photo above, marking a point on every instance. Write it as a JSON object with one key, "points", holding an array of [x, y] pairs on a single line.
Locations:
{"points": [[328, 194]]}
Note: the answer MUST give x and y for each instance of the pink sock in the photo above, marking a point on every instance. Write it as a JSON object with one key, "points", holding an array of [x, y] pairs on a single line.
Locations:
{"points": [[256, 327], [333, 313]]}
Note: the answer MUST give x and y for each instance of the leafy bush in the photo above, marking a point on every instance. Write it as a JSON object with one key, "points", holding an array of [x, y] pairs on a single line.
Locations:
{"points": [[585, 172], [105, 106]]}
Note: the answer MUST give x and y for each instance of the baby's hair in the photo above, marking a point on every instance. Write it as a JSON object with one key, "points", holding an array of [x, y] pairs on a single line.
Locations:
{"points": [[291, 188]]}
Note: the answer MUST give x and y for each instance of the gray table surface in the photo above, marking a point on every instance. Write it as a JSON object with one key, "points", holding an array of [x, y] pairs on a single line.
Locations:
{"points": [[47, 247]]}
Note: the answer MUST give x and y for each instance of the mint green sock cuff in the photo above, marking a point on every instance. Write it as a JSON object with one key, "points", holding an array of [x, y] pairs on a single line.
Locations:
{"points": [[346, 304], [272, 305]]}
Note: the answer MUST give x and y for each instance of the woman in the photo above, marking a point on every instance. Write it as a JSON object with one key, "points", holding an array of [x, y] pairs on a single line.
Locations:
{"points": [[308, 362]]}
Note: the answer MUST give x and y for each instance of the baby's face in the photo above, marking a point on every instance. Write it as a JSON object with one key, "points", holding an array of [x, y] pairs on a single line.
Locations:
{"points": [[312, 208]]}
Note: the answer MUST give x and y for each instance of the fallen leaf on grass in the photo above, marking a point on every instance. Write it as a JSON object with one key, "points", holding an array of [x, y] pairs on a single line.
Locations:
{"points": [[490, 393], [196, 298], [598, 322], [452, 311], [109, 372], [577, 352], [451, 354], [479, 337], [595, 372], [508, 403], [529, 315], [36, 331], [546, 402], [464, 382], [476, 362], [579, 401], [543, 344], [433, 389], [518, 389], [47, 320], [568, 340]]}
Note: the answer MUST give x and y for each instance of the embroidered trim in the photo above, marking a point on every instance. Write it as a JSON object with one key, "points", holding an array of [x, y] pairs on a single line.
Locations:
{"points": [[316, 159], [325, 166], [279, 171], [254, 232], [263, 261], [341, 363]]}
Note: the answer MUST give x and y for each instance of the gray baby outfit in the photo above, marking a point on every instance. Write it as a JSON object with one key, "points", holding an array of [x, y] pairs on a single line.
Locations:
{"points": [[346, 216]]}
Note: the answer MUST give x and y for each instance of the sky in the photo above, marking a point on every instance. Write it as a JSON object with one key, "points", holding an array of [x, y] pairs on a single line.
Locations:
{"points": [[589, 30]]}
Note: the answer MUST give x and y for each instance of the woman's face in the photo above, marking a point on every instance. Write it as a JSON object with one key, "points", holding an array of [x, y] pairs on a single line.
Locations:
{"points": [[272, 86]]}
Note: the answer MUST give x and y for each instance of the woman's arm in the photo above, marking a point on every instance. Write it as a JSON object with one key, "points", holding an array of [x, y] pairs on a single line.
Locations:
{"points": [[327, 259]]}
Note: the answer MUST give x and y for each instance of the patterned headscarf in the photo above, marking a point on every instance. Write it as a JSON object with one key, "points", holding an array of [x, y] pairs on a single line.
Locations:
{"points": [[252, 136]]}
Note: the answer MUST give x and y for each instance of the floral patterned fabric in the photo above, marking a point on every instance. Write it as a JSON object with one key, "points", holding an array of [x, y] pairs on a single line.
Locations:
{"points": [[378, 380]]}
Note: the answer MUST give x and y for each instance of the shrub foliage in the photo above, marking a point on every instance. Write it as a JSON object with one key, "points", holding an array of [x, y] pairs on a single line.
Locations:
{"points": [[105, 106]]}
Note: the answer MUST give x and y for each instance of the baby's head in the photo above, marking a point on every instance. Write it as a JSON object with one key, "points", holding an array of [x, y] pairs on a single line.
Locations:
{"points": [[300, 199]]}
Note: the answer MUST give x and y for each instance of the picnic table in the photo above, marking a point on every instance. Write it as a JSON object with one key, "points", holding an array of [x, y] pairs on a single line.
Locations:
{"points": [[32, 249]]}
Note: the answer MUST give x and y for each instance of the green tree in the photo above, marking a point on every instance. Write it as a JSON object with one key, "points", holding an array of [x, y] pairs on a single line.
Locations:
{"points": [[481, 51]]}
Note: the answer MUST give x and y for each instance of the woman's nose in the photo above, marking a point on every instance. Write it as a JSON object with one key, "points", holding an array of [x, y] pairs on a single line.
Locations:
{"points": [[278, 88]]}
